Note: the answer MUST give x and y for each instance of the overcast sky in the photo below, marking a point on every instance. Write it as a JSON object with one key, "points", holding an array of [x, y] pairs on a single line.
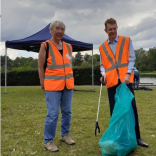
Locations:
{"points": [[84, 20]]}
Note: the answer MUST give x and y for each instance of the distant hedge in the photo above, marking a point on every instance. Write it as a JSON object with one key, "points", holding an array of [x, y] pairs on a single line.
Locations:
{"points": [[82, 76], [21, 78], [147, 74]]}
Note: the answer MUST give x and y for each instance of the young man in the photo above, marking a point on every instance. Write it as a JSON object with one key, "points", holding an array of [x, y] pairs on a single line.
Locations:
{"points": [[117, 59]]}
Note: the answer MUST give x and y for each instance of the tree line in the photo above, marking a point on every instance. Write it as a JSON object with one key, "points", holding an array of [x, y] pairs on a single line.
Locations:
{"points": [[145, 61]]}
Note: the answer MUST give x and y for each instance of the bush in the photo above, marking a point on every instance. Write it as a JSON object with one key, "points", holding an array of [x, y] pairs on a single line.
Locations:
{"points": [[21, 78], [82, 76]]}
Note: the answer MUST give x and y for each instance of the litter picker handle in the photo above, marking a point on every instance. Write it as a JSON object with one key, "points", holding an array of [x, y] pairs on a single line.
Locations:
{"points": [[99, 100]]}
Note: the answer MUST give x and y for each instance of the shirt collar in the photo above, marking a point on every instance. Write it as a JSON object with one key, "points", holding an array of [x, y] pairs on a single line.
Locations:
{"points": [[116, 39]]}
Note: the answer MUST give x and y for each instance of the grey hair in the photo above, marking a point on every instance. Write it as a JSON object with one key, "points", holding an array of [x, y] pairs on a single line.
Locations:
{"points": [[56, 22]]}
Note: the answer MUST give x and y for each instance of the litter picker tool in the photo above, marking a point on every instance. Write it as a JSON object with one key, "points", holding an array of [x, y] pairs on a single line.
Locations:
{"points": [[96, 124]]}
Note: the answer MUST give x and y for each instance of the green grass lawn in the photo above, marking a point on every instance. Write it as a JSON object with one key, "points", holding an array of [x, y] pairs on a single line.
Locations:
{"points": [[23, 112], [147, 74]]}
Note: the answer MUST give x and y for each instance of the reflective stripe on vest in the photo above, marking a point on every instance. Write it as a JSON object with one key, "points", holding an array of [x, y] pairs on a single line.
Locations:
{"points": [[58, 77], [69, 50], [54, 66], [59, 73], [117, 64]]}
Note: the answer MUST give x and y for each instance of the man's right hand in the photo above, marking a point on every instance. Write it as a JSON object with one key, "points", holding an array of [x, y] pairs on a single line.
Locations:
{"points": [[104, 79]]}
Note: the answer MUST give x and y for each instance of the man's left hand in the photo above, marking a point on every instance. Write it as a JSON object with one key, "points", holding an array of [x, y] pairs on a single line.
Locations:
{"points": [[127, 78]]}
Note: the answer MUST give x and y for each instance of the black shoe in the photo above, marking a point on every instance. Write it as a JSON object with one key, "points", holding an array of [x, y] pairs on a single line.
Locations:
{"points": [[141, 143]]}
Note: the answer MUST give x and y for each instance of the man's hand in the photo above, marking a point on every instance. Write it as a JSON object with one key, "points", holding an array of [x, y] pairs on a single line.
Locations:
{"points": [[104, 79], [127, 78]]}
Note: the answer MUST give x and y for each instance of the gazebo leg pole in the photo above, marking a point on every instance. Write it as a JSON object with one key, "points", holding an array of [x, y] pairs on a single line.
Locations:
{"points": [[5, 92], [92, 73]]}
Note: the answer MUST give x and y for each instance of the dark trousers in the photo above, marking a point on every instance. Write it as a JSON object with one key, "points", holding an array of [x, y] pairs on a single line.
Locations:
{"points": [[111, 97]]}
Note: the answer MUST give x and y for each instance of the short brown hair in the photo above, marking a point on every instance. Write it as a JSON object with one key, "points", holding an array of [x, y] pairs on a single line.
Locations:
{"points": [[110, 21]]}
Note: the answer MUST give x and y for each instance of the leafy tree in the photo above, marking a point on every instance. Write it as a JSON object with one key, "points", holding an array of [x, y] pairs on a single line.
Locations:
{"points": [[143, 63], [141, 54], [78, 59], [97, 56], [24, 62], [152, 59], [2, 61], [17, 62], [96, 59], [86, 57], [145, 60], [85, 64], [9, 63], [34, 64], [22, 68]]}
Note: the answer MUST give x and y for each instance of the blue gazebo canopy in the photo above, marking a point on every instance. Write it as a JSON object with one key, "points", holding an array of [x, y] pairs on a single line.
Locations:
{"points": [[32, 43]]}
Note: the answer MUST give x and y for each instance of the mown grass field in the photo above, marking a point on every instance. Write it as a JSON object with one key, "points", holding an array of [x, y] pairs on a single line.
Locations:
{"points": [[148, 74], [23, 112]]}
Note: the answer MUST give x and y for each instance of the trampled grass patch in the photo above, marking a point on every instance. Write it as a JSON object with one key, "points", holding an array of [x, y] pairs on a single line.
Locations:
{"points": [[23, 115]]}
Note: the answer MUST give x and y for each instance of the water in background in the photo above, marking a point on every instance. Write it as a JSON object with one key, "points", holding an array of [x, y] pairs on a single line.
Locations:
{"points": [[148, 80]]}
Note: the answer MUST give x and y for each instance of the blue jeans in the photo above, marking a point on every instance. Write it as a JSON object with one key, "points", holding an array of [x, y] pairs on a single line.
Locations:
{"points": [[54, 99]]}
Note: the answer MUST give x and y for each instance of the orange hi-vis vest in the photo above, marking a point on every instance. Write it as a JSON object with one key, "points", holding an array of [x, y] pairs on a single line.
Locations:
{"points": [[116, 66], [59, 71]]}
